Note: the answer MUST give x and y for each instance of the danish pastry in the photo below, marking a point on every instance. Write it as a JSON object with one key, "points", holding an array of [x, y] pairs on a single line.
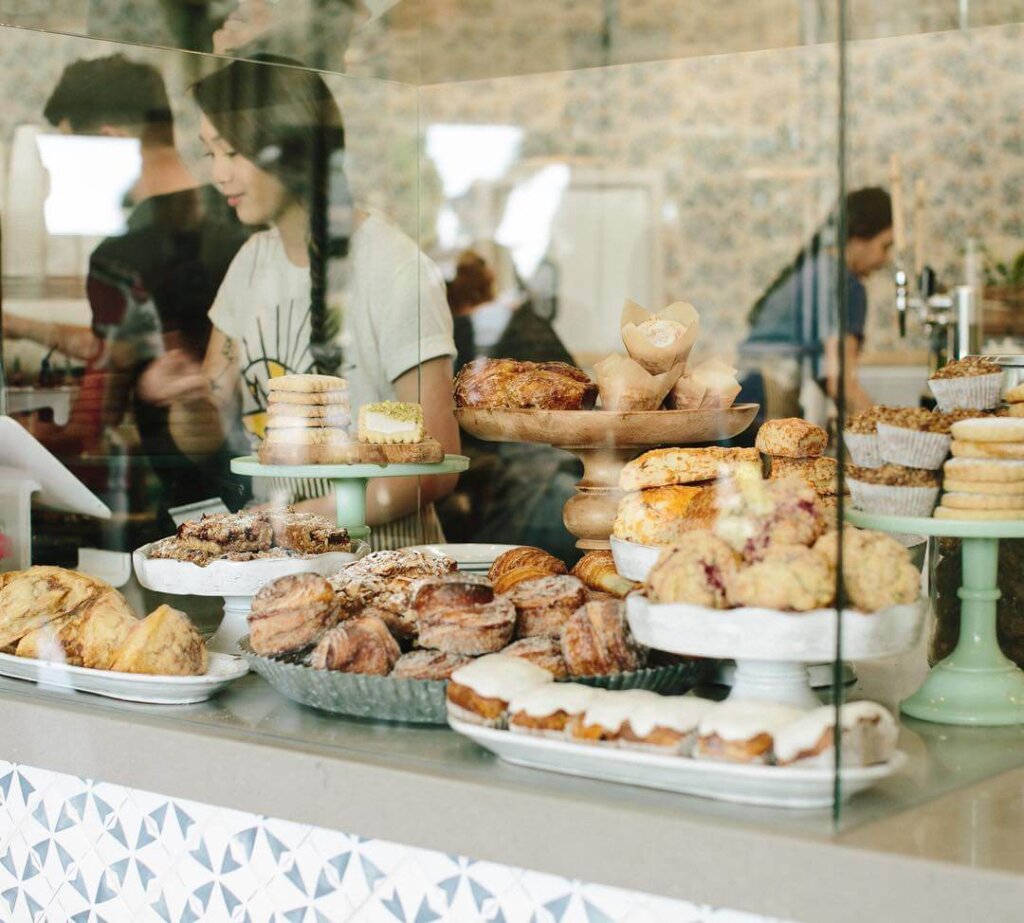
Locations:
{"points": [[472, 630], [480, 691], [597, 641], [543, 606], [360, 645], [290, 613]]}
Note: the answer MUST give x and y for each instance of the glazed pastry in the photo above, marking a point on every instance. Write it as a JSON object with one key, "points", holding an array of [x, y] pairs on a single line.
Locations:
{"points": [[512, 384], [869, 737], [693, 570], [290, 613], [164, 643], [516, 558], [307, 533], [543, 651], [449, 590], [473, 630], [655, 517], [480, 691], [360, 645], [877, 571], [32, 598], [607, 715], [742, 732], [548, 709], [667, 725], [791, 438], [543, 606], [597, 571], [391, 423], [88, 638], [597, 641], [432, 665], [666, 467], [820, 474], [791, 578]]}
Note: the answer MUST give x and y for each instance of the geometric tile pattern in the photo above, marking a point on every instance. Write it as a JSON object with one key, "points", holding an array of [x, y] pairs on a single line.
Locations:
{"points": [[77, 851]]}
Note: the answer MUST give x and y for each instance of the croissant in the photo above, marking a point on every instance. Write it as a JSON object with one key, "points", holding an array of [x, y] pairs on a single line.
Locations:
{"points": [[164, 643], [597, 571], [526, 556], [88, 638]]}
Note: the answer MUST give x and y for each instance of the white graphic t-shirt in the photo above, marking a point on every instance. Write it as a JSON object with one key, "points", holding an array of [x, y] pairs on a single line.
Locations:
{"points": [[390, 300]]}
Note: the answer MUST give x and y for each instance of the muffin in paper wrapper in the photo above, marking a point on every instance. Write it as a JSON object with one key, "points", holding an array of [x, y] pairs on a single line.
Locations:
{"points": [[625, 385], [659, 342], [863, 449], [911, 447], [973, 392], [893, 500], [709, 385]]}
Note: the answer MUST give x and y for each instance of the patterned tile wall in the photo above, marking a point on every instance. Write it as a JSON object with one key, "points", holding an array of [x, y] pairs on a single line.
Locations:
{"points": [[77, 851]]}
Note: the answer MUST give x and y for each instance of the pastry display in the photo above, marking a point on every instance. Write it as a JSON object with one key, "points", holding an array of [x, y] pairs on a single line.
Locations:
{"points": [[547, 710], [596, 640], [512, 384], [291, 613], [694, 570], [359, 645], [391, 423], [791, 438], [164, 643], [657, 516], [675, 466], [972, 383], [742, 732], [894, 489], [596, 569], [543, 606], [480, 692], [540, 650], [251, 535], [868, 731], [789, 578], [877, 570], [430, 665], [471, 629], [709, 385]]}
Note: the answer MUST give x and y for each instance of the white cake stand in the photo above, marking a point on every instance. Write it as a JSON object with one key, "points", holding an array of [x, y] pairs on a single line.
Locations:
{"points": [[236, 581], [773, 649]]}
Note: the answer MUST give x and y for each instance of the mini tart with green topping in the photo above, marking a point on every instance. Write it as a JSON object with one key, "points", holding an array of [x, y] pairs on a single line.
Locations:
{"points": [[391, 423]]}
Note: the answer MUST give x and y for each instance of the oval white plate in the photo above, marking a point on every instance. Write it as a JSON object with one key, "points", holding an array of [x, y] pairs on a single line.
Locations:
{"points": [[775, 786], [131, 687], [467, 555], [232, 578], [767, 634], [633, 560]]}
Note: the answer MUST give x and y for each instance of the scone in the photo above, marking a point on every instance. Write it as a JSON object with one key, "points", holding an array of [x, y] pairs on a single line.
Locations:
{"points": [[480, 691], [391, 423], [657, 516], [694, 570], [820, 474], [877, 571], [791, 438], [359, 645], [666, 467], [164, 643], [791, 578], [290, 613]]}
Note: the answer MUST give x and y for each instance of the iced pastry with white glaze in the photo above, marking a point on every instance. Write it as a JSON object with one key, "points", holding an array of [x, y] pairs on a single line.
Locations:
{"points": [[869, 737], [547, 709], [743, 731], [480, 691], [606, 717], [668, 725]]}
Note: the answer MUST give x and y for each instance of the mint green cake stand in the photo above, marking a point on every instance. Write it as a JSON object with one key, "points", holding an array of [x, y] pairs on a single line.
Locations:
{"points": [[348, 482], [975, 684]]}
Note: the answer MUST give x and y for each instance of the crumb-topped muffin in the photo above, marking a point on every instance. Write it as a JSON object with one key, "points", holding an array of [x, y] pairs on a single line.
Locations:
{"points": [[895, 476], [967, 367], [972, 383], [894, 489]]}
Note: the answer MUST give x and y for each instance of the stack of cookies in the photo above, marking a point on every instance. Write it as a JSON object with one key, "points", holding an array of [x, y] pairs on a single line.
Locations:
{"points": [[985, 477], [308, 420], [1014, 398]]}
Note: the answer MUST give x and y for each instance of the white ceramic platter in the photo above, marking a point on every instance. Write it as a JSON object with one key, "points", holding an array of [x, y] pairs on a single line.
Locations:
{"points": [[767, 634], [232, 578], [773, 786], [633, 560], [470, 557], [131, 687]]}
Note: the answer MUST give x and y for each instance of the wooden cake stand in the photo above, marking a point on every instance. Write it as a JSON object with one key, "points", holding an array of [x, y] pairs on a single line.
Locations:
{"points": [[604, 441], [976, 684]]}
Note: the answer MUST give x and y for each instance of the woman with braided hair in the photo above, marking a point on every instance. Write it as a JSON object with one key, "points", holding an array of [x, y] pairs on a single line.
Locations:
{"points": [[326, 288]]}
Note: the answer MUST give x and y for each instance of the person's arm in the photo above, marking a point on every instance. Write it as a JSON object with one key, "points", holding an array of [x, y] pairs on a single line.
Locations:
{"points": [[856, 397], [388, 499], [70, 339]]}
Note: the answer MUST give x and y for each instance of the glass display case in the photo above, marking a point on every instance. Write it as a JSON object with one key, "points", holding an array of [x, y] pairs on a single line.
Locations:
{"points": [[818, 203]]}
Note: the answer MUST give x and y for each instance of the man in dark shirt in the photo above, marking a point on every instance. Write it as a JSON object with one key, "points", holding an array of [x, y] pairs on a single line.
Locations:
{"points": [[150, 288]]}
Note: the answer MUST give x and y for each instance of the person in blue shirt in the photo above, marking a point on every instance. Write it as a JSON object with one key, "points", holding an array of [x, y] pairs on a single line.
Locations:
{"points": [[797, 317]]}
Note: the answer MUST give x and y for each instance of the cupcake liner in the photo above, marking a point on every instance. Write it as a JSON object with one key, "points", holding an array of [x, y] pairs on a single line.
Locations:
{"points": [[892, 500], [911, 447], [975, 392], [863, 449]]}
